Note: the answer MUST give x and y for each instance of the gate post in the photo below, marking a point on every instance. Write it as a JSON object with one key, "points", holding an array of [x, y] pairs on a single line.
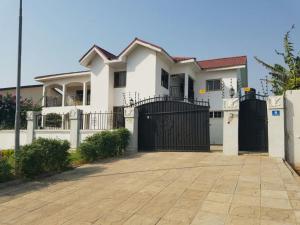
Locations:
{"points": [[74, 127], [31, 125], [275, 105], [231, 108], [131, 123]]}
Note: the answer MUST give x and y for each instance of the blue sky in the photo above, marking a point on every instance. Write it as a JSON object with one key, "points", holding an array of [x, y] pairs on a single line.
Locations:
{"points": [[58, 32]]}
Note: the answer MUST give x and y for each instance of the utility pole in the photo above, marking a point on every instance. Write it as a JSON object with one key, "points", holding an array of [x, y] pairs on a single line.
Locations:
{"points": [[17, 115]]}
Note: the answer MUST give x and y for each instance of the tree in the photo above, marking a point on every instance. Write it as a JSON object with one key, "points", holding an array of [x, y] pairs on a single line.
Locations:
{"points": [[8, 109], [284, 77]]}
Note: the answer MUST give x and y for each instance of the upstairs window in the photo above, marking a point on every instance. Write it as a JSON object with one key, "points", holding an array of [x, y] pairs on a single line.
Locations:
{"points": [[164, 79], [120, 79], [213, 85]]}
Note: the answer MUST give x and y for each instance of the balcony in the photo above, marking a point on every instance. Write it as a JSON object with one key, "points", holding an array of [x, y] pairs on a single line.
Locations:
{"points": [[71, 94]]}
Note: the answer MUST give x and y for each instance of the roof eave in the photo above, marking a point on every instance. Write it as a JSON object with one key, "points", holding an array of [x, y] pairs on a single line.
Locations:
{"points": [[225, 68], [62, 75]]}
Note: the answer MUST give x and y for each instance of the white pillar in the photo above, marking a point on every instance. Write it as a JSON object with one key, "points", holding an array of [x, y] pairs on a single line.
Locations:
{"points": [[75, 128], [276, 126], [31, 125], [131, 123], [84, 94], [44, 96], [231, 126], [63, 94], [186, 85]]}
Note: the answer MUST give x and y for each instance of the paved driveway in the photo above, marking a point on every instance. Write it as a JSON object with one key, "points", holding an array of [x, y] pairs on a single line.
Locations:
{"points": [[162, 189]]}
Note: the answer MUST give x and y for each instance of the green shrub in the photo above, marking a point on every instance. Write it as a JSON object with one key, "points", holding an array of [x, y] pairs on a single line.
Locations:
{"points": [[43, 156], [5, 170], [108, 144], [88, 151], [104, 144], [6, 153], [123, 136]]}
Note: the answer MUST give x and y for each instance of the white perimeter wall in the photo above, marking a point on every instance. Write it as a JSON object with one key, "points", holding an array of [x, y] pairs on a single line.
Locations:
{"points": [[7, 138], [53, 134], [292, 119]]}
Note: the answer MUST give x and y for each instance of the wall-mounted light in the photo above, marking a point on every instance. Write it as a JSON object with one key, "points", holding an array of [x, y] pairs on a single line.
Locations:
{"points": [[131, 102], [231, 92]]}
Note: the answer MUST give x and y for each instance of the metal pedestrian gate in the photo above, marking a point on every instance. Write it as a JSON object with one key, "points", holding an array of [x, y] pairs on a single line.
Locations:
{"points": [[253, 123], [169, 124]]}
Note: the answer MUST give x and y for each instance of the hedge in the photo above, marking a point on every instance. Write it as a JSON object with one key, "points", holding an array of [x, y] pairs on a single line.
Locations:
{"points": [[5, 170], [43, 156], [104, 144]]}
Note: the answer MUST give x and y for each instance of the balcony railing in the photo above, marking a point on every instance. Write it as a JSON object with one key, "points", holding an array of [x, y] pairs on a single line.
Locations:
{"points": [[70, 100], [53, 101]]}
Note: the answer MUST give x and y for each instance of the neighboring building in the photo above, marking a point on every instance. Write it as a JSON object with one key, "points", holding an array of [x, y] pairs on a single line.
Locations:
{"points": [[32, 92], [140, 71]]}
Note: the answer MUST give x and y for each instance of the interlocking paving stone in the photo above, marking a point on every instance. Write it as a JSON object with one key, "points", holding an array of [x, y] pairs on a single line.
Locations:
{"points": [[162, 188]]}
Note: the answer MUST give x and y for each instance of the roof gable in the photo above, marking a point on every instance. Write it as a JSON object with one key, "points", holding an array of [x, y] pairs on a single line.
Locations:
{"points": [[203, 64]]}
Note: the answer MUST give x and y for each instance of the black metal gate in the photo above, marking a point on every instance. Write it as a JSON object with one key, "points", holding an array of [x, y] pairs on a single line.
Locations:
{"points": [[169, 124], [253, 123]]}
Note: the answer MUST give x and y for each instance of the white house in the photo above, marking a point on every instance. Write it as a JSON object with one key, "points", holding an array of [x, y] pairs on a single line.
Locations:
{"points": [[144, 70]]}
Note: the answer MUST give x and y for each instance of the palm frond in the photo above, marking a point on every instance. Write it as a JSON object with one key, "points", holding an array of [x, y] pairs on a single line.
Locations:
{"points": [[272, 68]]}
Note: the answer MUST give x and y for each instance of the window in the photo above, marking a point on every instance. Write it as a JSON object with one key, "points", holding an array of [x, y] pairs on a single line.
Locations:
{"points": [[120, 79], [164, 79], [213, 85], [218, 114], [215, 114]]}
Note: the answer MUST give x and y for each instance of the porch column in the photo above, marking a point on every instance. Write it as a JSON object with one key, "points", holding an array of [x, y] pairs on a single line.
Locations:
{"points": [[186, 85], [44, 96], [131, 123], [276, 128], [63, 94], [231, 126], [84, 93]]}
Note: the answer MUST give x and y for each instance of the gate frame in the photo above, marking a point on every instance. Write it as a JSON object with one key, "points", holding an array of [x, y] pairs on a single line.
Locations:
{"points": [[256, 98], [143, 102]]}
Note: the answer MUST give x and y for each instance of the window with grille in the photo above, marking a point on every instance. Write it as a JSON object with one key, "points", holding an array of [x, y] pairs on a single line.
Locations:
{"points": [[164, 79], [215, 114], [213, 85]]}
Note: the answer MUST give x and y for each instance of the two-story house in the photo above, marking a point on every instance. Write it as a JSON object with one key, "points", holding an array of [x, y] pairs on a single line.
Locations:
{"points": [[144, 70]]}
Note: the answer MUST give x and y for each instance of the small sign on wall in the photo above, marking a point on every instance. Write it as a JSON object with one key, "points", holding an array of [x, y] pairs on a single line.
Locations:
{"points": [[202, 91], [275, 113], [247, 89]]}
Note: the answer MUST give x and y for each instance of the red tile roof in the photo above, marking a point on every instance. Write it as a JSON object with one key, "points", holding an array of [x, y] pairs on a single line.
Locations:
{"points": [[204, 64], [107, 54], [223, 62]]}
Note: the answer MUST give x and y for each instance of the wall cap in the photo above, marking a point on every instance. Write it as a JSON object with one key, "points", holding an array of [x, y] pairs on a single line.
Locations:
{"points": [[275, 102], [129, 112], [74, 114], [231, 104]]}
